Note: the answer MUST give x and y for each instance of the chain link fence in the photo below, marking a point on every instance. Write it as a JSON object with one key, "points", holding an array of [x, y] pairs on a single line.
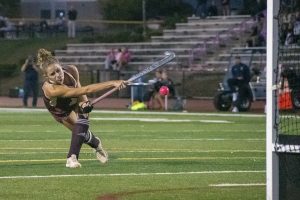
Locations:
{"points": [[188, 84]]}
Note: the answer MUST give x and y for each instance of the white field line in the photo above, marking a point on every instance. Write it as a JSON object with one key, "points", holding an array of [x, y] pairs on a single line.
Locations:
{"points": [[184, 131], [207, 139], [32, 148], [187, 150], [195, 158], [40, 161], [133, 151], [141, 113], [46, 152], [136, 131], [156, 139], [27, 131], [135, 158], [237, 185], [157, 120], [131, 174], [45, 140]]}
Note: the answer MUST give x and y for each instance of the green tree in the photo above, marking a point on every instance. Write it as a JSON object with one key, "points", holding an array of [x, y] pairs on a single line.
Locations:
{"points": [[10, 8], [168, 8], [121, 9], [132, 9], [252, 7]]}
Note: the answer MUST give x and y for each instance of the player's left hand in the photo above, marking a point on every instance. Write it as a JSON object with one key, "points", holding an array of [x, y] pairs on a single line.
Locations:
{"points": [[85, 107]]}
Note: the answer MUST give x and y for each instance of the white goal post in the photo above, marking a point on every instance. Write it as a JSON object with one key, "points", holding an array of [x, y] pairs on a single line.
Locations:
{"points": [[272, 165]]}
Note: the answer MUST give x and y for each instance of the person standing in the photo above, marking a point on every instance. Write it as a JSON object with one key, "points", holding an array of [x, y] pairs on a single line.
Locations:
{"points": [[30, 81], [72, 16], [240, 78], [225, 7]]}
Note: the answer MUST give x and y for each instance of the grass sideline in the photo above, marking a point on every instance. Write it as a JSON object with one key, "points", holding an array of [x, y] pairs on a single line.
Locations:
{"points": [[148, 159]]}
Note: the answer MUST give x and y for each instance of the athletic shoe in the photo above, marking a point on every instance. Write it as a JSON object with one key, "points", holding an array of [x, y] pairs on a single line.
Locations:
{"points": [[72, 162], [101, 154], [235, 110]]}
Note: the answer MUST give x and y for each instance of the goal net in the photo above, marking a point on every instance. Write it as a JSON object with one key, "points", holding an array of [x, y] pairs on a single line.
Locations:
{"points": [[286, 98]]}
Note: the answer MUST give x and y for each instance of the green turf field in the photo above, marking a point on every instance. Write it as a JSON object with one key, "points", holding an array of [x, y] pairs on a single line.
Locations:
{"points": [[152, 156]]}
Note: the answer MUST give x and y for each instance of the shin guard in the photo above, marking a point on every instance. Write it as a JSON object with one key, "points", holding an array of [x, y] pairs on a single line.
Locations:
{"points": [[91, 140], [78, 135]]}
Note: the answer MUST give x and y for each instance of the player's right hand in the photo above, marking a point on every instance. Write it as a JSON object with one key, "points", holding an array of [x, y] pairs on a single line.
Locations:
{"points": [[120, 84]]}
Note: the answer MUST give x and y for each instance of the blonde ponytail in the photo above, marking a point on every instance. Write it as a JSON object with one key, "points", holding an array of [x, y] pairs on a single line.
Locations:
{"points": [[45, 58]]}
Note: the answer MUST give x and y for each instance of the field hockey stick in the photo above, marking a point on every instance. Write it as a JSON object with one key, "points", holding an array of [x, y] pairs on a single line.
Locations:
{"points": [[169, 56]]}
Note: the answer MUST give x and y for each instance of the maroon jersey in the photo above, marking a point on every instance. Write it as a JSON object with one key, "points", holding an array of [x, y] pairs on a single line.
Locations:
{"points": [[61, 107]]}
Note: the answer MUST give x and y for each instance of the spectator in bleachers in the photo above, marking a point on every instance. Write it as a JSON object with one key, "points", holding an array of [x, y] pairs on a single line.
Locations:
{"points": [[257, 37], [296, 26], [255, 34], [123, 57], [290, 27], [110, 60], [283, 32], [290, 38], [290, 23], [126, 56], [119, 59], [285, 18], [225, 7], [72, 16], [291, 18]]}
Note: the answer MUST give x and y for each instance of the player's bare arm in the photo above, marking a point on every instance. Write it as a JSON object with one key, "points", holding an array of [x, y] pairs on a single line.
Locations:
{"points": [[74, 72], [52, 90]]}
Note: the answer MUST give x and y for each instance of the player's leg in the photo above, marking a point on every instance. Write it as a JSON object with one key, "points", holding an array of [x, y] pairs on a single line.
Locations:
{"points": [[96, 143], [69, 28], [233, 83], [79, 125], [35, 90], [159, 101], [26, 93], [74, 29], [243, 88]]}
